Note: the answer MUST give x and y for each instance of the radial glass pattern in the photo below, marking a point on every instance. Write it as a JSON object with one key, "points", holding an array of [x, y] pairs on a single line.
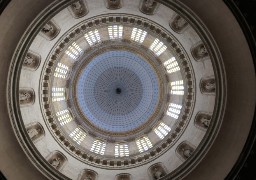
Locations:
{"points": [[117, 91]]}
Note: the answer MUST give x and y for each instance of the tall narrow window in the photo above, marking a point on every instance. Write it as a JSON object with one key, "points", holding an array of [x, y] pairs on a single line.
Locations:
{"points": [[162, 130], [115, 32], [74, 51], [78, 135], [64, 117], [61, 71], [138, 35], [144, 144], [98, 147], [121, 150], [177, 87], [158, 47], [58, 94], [174, 110], [171, 65], [92, 37]]}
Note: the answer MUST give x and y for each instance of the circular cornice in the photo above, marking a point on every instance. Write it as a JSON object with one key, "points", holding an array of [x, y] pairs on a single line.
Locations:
{"points": [[154, 29], [120, 46], [19, 127]]}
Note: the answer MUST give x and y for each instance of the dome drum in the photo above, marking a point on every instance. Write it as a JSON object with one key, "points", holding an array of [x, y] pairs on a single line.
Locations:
{"points": [[118, 91]]}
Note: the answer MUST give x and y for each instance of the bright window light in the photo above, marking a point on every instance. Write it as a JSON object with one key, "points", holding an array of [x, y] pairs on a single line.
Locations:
{"points": [[174, 110], [144, 144], [92, 37], [98, 147], [162, 130], [64, 117], [78, 135], [121, 150], [115, 32], [158, 47], [61, 71], [171, 65], [177, 87], [58, 94], [138, 35], [74, 51]]}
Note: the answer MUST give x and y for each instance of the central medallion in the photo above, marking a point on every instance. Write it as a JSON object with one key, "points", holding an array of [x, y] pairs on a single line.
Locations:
{"points": [[117, 91]]}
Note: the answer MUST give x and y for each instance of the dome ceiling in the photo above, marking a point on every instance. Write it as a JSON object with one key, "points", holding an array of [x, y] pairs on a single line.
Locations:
{"points": [[135, 87]]}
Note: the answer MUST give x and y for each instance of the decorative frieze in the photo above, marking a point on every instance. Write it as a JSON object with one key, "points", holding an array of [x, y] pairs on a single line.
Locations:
{"points": [[148, 6], [208, 85], [88, 174], [157, 171], [31, 61], [185, 150], [26, 96], [50, 30], [203, 120], [199, 51], [35, 131], [78, 9], [123, 177], [114, 4], [57, 160], [178, 24]]}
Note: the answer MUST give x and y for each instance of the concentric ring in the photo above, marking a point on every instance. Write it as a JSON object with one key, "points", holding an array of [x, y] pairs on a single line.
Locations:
{"points": [[117, 91]]}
